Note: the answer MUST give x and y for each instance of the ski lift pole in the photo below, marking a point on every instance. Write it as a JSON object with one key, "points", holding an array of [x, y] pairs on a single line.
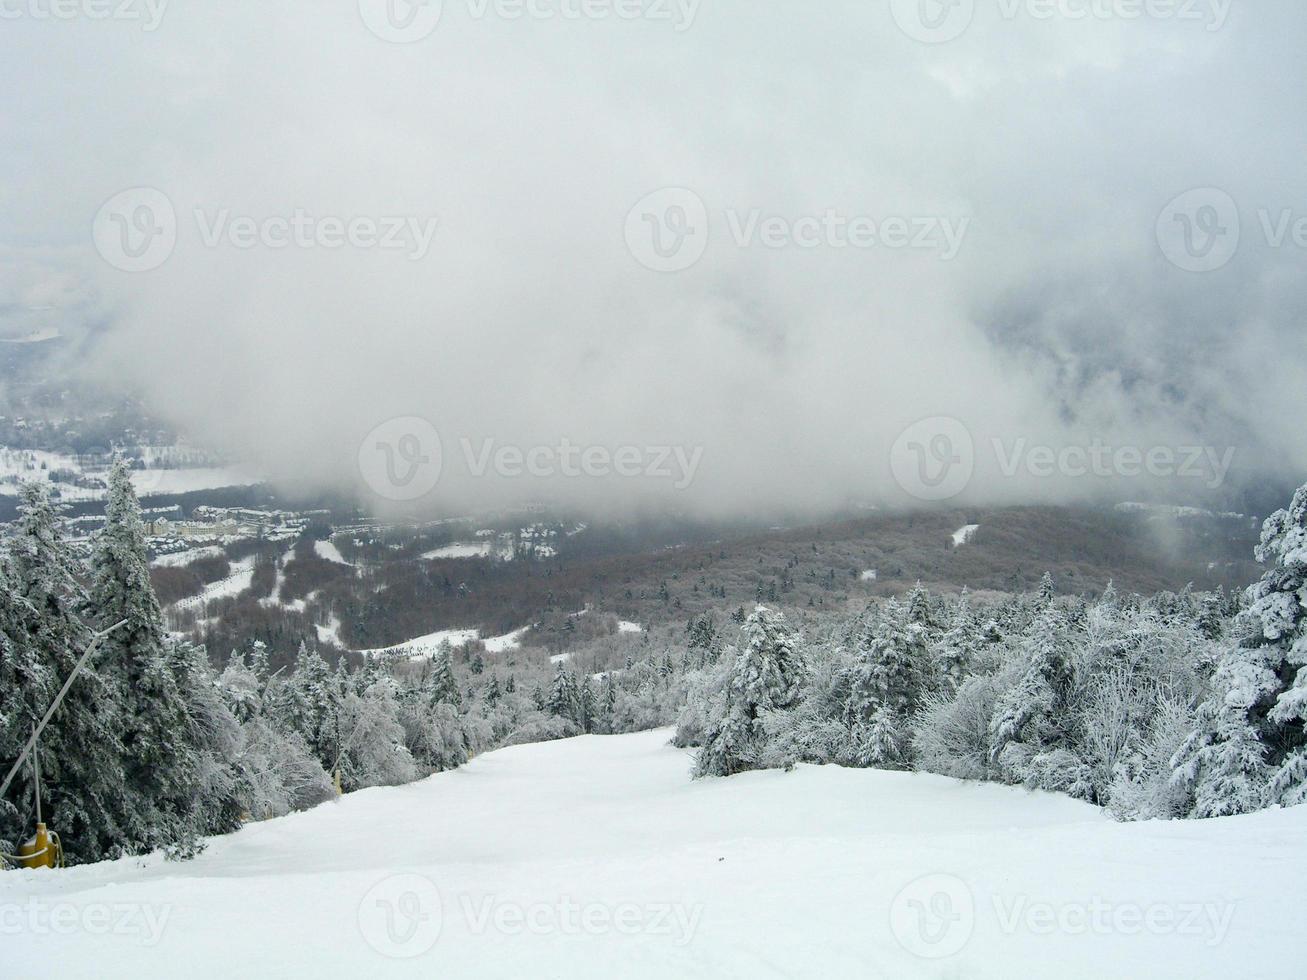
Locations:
{"points": [[54, 706]]}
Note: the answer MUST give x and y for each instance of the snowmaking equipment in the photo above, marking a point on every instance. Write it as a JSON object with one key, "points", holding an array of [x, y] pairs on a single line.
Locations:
{"points": [[44, 849]]}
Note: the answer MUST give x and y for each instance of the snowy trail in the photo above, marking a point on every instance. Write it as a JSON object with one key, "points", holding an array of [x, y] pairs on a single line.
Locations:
{"points": [[599, 857]]}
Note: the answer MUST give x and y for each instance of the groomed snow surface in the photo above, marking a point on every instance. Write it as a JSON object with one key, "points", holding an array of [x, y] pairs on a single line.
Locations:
{"points": [[600, 857]]}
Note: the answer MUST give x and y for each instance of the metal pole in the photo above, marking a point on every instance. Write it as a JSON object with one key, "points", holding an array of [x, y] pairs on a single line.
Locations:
{"points": [[22, 756], [36, 777]]}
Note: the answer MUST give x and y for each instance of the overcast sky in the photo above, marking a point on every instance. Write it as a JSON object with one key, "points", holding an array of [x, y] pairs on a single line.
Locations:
{"points": [[873, 222]]}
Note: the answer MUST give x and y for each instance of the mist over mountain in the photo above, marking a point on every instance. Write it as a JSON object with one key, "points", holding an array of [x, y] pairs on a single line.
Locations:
{"points": [[978, 230]]}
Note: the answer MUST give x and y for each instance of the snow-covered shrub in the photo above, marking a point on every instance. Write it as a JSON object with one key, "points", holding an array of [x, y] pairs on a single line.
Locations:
{"points": [[953, 732]]}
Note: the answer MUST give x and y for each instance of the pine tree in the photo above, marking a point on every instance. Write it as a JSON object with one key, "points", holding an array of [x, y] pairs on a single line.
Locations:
{"points": [[587, 708], [1223, 762], [442, 688], [1250, 744], [26, 687], [160, 760], [215, 733], [314, 699], [886, 684], [767, 676], [564, 699], [1027, 735], [957, 648], [81, 755]]}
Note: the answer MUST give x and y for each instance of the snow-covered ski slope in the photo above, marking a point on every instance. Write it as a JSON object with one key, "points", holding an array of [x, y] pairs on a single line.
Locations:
{"points": [[599, 857]]}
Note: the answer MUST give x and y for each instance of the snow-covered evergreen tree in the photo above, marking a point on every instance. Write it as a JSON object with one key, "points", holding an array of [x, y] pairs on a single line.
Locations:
{"points": [[1030, 728], [890, 675], [442, 688], [767, 675], [564, 700], [160, 761], [81, 756], [1250, 744], [1223, 762], [26, 687]]}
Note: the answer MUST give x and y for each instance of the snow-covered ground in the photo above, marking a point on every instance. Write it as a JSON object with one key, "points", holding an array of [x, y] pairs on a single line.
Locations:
{"points": [[600, 857], [19, 465], [626, 626], [479, 550], [509, 641], [422, 647], [183, 558], [240, 579], [964, 534], [327, 550]]}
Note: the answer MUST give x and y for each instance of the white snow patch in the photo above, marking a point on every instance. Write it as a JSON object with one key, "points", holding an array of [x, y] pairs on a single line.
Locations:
{"points": [[964, 534], [868, 576], [37, 336], [626, 626], [242, 575], [182, 558], [617, 825], [479, 550], [327, 550], [509, 641], [422, 647], [329, 633], [561, 658]]}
